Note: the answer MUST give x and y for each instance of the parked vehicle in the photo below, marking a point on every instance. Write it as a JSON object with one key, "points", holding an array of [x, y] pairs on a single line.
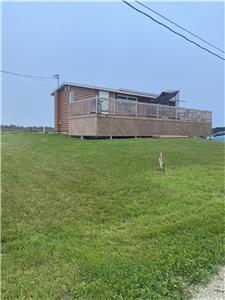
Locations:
{"points": [[219, 136]]}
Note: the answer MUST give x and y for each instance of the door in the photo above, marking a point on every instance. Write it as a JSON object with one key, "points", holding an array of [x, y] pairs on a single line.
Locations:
{"points": [[104, 102]]}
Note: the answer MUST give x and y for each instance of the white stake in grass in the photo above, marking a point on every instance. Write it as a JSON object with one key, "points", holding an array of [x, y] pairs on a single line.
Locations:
{"points": [[161, 163]]}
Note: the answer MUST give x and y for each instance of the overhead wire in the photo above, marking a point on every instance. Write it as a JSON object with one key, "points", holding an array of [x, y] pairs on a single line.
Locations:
{"points": [[43, 78], [179, 26], [175, 32]]}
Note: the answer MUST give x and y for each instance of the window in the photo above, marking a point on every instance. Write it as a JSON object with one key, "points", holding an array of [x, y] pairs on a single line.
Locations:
{"points": [[123, 97], [103, 94], [104, 101], [126, 104], [132, 98], [72, 96]]}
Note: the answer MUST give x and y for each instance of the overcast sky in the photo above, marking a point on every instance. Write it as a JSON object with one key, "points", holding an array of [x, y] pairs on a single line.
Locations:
{"points": [[108, 44]]}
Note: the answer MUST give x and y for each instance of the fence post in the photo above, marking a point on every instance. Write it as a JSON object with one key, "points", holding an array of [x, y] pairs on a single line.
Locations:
{"points": [[136, 107], [96, 104], [158, 111]]}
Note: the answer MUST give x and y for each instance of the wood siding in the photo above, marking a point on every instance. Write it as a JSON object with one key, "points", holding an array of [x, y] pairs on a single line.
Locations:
{"points": [[118, 126], [62, 110], [84, 93], [56, 111], [85, 126], [61, 103]]}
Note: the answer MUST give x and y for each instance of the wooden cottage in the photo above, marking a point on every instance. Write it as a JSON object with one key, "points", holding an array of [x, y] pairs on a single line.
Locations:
{"points": [[91, 111]]}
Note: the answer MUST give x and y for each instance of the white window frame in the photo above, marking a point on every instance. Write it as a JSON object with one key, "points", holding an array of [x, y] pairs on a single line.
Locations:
{"points": [[125, 97], [72, 96], [104, 101], [103, 94], [127, 104]]}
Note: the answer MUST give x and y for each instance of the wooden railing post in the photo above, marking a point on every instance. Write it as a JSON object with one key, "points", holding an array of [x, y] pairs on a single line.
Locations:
{"points": [[136, 107], [158, 111], [96, 104]]}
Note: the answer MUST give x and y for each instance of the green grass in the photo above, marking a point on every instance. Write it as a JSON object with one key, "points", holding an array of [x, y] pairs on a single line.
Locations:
{"points": [[96, 219]]}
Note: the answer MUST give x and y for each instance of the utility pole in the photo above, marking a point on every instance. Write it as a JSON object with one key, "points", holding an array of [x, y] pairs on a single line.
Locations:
{"points": [[56, 76]]}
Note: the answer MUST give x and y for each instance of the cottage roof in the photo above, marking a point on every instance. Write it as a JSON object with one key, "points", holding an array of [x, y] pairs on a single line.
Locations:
{"points": [[121, 90]]}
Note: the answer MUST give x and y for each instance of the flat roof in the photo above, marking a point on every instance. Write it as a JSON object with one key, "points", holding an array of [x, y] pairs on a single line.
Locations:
{"points": [[121, 90]]}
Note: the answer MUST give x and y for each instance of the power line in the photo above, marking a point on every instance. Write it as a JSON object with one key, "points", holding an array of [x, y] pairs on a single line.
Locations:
{"points": [[183, 36], [44, 78], [198, 37]]}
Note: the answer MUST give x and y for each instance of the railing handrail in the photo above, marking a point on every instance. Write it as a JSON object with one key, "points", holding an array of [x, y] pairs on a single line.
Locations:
{"points": [[141, 103], [86, 99], [114, 107]]}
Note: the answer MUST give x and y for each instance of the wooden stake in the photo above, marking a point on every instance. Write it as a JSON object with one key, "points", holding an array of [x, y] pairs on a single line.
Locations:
{"points": [[161, 163]]}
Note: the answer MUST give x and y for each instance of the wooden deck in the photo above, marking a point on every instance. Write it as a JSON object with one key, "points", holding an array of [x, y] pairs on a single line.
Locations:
{"points": [[118, 119]]}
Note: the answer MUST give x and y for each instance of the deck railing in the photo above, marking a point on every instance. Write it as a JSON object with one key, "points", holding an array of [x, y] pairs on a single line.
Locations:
{"points": [[111, 106]]}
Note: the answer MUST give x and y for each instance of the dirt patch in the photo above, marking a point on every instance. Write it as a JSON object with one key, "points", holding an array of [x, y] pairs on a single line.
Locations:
{"points": [[215, 290]]}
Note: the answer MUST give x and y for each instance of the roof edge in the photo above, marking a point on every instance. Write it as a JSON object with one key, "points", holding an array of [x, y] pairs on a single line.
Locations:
{"points": [[127, 91], [122, 91]]}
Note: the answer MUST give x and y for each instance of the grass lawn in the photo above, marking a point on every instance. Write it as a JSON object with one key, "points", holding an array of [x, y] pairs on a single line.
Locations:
{"points": [[96, 219]]}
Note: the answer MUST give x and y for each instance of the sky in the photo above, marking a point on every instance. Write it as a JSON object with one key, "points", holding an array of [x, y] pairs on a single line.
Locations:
{"points": [[110, 45]]}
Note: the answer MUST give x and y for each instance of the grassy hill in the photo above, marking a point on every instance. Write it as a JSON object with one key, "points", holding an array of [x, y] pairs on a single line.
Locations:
{"points": [[96, 219]]}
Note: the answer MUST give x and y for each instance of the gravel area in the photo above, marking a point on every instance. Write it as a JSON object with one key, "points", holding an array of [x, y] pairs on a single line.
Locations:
{"points": [[215, 290]]}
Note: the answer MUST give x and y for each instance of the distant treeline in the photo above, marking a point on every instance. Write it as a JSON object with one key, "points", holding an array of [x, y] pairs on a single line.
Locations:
{"points": [[17, 128]]}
